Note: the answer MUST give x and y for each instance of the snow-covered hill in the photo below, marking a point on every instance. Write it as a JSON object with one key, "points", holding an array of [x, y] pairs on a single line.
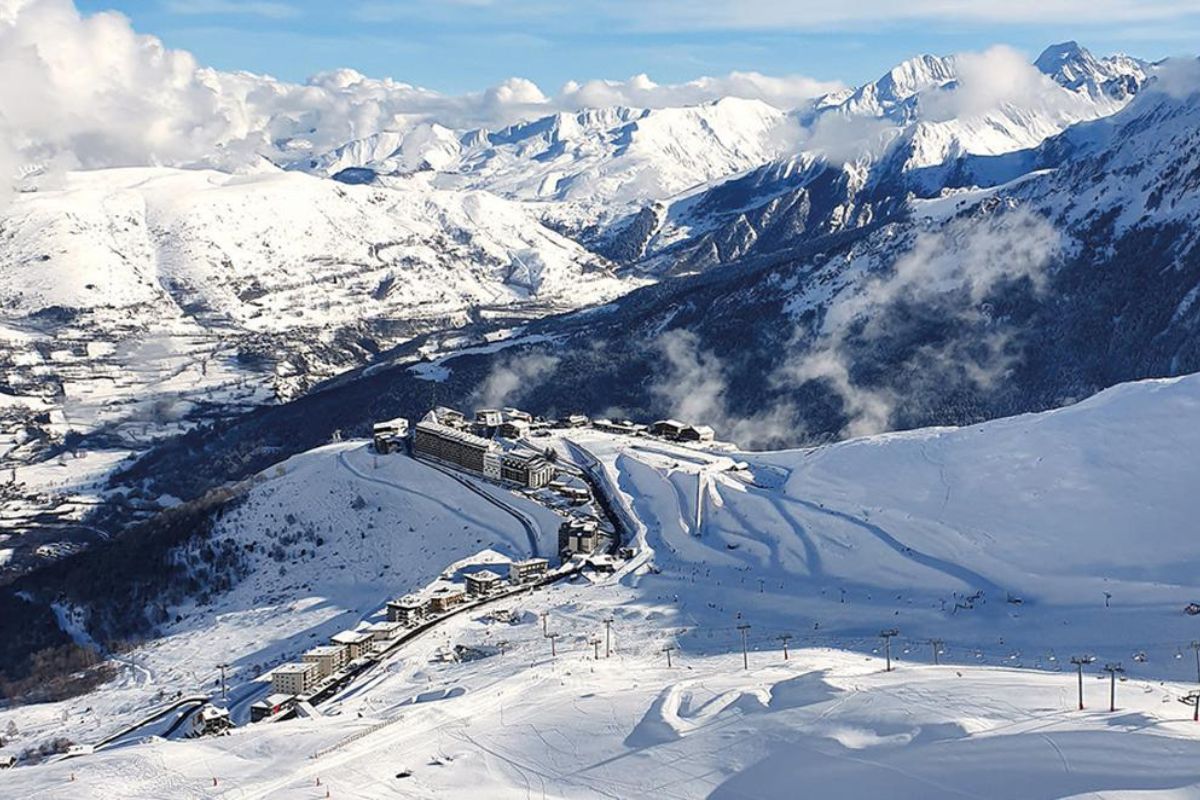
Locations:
{"points": [[139, 301], [1017, 543]]}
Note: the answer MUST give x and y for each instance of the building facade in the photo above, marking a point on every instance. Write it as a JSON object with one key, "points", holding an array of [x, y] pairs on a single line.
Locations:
{"points": [[357, 643], [296, 678], [482, 582], [454, 446], [407, 610], [578, 536], [527, 570], [388, 436], [446, 598], [526, 469], [329, 658]]}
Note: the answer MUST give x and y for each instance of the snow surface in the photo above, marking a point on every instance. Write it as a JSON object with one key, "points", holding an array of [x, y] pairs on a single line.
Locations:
{"points": [[1052, 509]]}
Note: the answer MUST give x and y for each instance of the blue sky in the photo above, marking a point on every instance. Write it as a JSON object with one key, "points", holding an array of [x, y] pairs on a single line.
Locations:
{"points": [[460, 45]]}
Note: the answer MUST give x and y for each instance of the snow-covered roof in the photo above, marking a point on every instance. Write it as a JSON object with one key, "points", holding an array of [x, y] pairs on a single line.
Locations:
{"points": [[325, 650], [294, 668], [383, 626], [454, 434], [484, 575], [350, 637]]}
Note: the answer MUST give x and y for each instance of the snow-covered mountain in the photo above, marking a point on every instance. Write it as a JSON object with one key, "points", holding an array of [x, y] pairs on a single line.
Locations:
{"points": [[139, 302], [1007, 544], [592, 166], [708, 184], [909, 132], [208, 293]]}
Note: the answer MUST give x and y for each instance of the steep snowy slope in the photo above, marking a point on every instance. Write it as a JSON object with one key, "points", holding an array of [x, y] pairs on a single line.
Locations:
{"points": [[909, 132], [320, 542]]}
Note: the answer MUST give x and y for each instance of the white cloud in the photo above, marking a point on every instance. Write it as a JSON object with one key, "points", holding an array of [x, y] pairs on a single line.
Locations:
{"points": [[1177, 77], [510, 378], [88, 91], [951, 270], [694, 387], [985, 81], [640, 92]]}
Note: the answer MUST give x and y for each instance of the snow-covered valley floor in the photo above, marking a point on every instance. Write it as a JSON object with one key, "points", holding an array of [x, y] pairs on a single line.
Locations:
{"points": [[1017, 543]]}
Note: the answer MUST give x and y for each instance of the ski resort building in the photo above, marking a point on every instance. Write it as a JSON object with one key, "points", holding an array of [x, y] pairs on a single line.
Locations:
{"points": [[329, 658], [383, 633], [488, 419], [408, 610], [357, 643], [212, 721], [454, 446], [446, 598], [388, 437], [517, 415], [514, 428], [438, 441], [682, 432], [527, 469], [273, 705], [295, 678], [527, 570], [578, 535], [482, 582]]}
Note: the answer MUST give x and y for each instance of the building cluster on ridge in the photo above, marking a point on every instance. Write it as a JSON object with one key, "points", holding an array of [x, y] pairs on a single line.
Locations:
{"points": [[329, 665]]}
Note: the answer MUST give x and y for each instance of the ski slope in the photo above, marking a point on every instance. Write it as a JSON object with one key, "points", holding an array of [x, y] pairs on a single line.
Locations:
{"points": [[826, 546]]}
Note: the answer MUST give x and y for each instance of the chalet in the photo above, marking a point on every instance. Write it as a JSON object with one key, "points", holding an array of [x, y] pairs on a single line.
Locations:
{"points": [[697, 433], [294, 678], [482, 582], [618, 426], [445, 598], [667, 428], [526, 469], [578, 535], [576, 494], [682, 432], [357, 643], [514, 428], [329, 658], [388, 436], [517, 415], [603, 563], [528, 570], [408, 610], [383, 633], [211, 721], [273, 705], [7, 761], [574, 421]]}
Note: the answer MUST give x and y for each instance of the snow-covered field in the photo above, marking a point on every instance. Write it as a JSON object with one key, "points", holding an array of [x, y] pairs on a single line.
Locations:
{"points": [[1084, 515]]}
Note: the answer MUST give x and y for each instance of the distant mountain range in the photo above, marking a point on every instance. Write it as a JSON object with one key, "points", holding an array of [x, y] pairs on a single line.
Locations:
{"points": [[881, 257]]}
